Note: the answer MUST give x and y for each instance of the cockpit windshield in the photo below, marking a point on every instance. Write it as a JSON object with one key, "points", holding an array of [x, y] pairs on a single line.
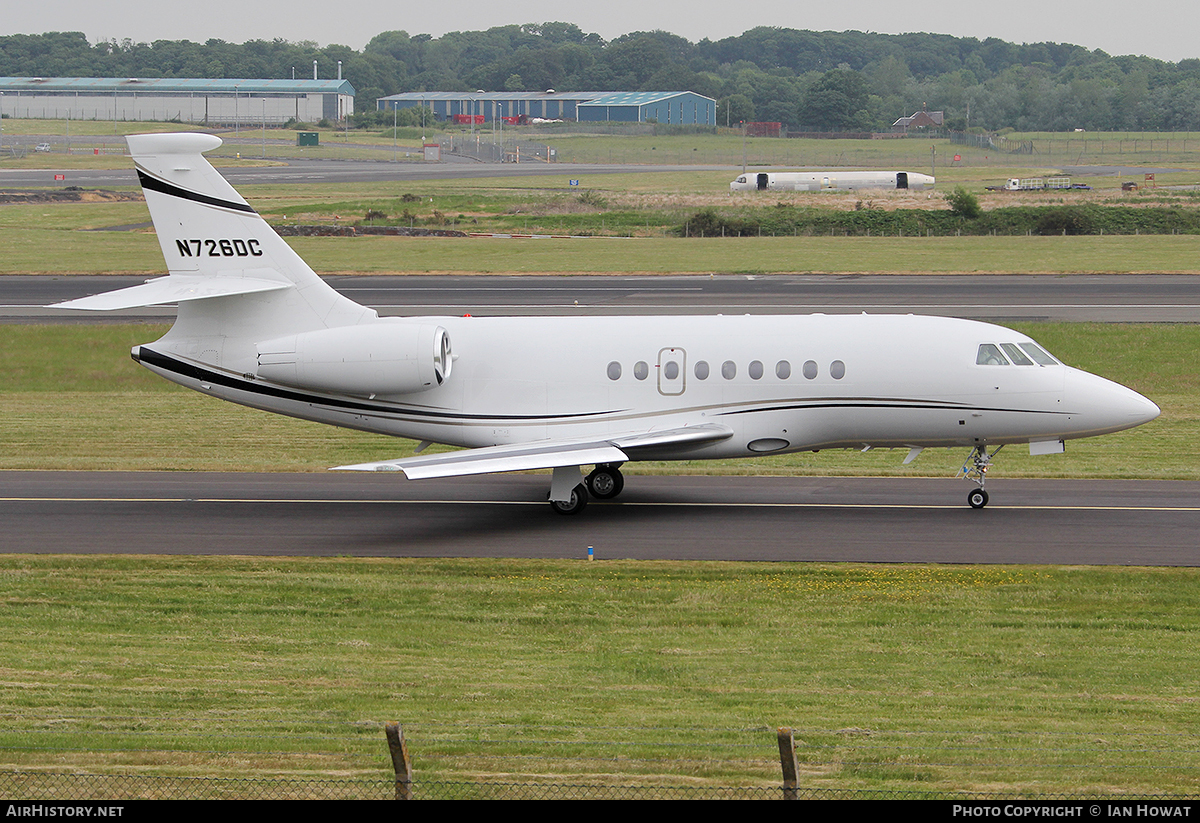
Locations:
{"points": [[1039, 355], [1015, 354]]}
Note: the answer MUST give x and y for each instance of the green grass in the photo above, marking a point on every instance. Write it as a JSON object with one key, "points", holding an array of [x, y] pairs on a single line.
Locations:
{"points": [[928, 678], [40, 127], [1051, 150], [72, 399], [51, 238], [55, 251]]}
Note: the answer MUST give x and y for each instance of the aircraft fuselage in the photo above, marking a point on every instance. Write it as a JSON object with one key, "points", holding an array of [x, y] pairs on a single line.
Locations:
{"points": [[781, 383]]}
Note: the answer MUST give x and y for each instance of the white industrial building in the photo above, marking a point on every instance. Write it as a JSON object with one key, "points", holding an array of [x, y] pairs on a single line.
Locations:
{"points": [[209, 102]]}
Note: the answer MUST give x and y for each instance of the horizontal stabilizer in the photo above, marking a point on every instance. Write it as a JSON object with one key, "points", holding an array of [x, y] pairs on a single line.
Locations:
{"points": [[172, 289], [547, 454]]}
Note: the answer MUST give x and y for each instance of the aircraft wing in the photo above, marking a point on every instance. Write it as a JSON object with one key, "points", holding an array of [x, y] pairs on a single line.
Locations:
{"points": [[549, 454]]}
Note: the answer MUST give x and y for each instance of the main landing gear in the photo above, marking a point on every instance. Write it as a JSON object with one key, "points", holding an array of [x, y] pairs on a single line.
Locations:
{"points": [[978, 462], [604, 483], [577, 503]]}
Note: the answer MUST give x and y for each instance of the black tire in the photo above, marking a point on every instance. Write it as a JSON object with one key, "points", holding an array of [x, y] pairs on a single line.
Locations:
{"points": [[577, 503], [977, 498], [605, 483]]}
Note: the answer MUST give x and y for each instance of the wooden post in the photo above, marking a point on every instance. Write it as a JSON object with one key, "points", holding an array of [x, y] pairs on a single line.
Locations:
{"points": [[400, 762], [787, 762]]}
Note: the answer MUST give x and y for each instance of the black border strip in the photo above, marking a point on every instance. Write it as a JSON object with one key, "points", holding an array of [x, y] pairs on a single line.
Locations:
{"points": [[891, 404], [166, 363], [162, 186]]}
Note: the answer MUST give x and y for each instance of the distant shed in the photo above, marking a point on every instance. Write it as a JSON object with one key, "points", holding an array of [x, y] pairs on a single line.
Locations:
{"points": [[920, 120], [670, 107]]}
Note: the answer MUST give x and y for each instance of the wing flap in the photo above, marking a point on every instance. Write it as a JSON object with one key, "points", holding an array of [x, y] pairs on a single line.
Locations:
{"points": [[540, 455], [548, 454], [673, 439]]}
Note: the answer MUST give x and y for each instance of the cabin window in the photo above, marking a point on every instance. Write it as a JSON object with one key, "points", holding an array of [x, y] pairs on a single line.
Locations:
{"points": [[1039, 355], [671, 370], [756, 370], [783, 370], [701, 369], [989, 355], [1017, 357], [641, 370], [614, 370], [837, 369], [810, 369], [729, 370]]}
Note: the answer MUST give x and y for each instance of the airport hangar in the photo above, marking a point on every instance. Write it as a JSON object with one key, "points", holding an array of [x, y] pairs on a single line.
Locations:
{"points": [[672, 107], [209, 102]]}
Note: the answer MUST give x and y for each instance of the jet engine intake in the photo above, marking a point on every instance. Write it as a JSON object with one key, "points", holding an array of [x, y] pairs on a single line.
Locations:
{"points": [[369, 359]]}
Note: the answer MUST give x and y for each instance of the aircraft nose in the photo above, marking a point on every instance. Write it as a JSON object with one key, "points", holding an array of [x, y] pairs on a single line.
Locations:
{"points": [[1106, 406], [1146, 409]]}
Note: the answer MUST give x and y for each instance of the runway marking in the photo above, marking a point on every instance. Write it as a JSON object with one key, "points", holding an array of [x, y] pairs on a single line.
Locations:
{"points": [[663, 504], [410, 289], [849, 304]]}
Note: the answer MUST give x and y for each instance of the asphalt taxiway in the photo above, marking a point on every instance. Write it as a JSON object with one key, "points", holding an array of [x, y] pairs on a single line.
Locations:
{"points": [[1158, 298], [1103, 522]]}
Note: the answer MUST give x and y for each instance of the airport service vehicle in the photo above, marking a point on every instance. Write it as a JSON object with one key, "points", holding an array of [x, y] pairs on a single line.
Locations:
{"points": [[256, 326], [1040, 184], [42, 147], [832, 180]]}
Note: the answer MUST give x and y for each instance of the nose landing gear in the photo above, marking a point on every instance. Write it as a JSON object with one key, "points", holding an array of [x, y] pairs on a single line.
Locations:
{"points": [[977, 498], [978, 462]]}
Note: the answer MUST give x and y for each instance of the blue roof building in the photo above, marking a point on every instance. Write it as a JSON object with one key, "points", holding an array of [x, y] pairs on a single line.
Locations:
{"points": [[671, 107], [675, 107]]}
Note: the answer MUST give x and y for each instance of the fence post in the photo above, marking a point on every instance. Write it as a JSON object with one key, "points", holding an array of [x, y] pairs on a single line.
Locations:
{"points": [[787, 762], [400, 762]]}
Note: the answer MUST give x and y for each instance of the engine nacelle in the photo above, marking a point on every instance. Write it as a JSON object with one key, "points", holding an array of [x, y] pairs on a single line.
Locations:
{"points": [[370, 359]]}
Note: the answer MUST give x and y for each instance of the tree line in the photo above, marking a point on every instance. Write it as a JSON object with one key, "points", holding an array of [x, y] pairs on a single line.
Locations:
{"points": [[806, 80]]}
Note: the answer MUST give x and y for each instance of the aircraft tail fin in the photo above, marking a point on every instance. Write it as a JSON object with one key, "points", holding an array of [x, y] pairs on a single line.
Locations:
{"points": [[217, 246], [204, 226]]}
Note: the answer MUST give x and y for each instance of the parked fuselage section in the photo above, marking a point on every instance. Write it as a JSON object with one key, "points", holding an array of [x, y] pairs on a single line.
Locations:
{"points": [[832, 180]]}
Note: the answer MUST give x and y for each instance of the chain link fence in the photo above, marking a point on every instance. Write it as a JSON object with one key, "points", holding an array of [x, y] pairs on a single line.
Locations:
{"points": [[40, 787], [125, 758]]}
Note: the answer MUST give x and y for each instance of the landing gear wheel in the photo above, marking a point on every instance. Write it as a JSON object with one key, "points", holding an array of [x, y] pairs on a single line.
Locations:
{"points": [[577, 503], [977, 499], [605, 482]]}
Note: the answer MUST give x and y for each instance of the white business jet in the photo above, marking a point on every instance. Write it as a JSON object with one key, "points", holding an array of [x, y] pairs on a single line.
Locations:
{"points": [[257, 327]]}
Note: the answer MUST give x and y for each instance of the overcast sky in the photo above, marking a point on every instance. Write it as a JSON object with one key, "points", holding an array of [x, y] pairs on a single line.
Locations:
{"points": [[1159, 28]]}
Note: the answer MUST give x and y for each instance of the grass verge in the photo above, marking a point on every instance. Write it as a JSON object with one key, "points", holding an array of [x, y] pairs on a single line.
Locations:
{"points": [[992, 679], [46, 251]]}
